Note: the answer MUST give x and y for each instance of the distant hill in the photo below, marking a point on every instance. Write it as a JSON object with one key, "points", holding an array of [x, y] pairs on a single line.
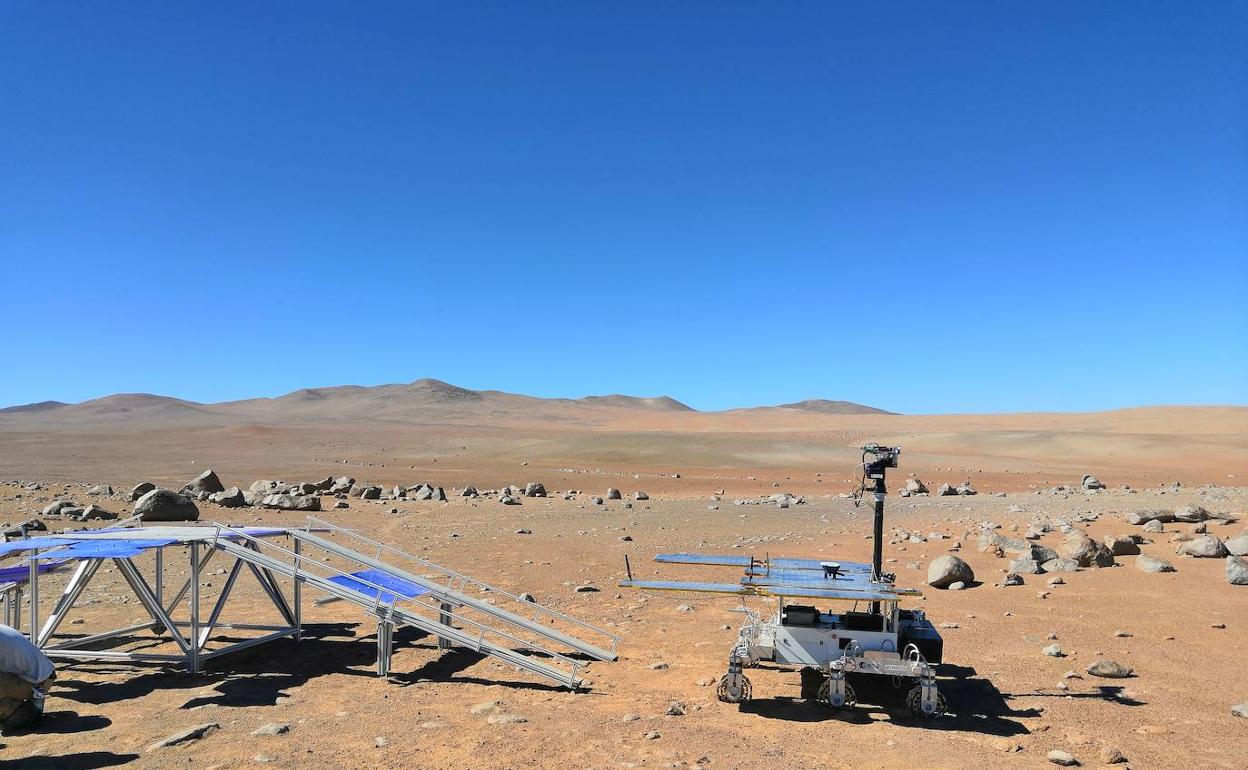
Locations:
{"points": [[824, 406], [41, 406], [665, 403]]}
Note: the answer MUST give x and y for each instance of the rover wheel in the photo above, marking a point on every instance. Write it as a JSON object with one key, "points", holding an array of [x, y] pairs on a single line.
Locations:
{"points": [[825, 695], [914, 702], [738, 694]]}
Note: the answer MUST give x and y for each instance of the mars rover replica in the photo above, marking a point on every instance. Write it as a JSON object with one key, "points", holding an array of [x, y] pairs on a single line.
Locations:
{"points": [[873, 636]]}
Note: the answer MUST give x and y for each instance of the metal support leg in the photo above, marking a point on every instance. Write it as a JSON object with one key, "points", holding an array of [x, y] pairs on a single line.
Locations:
{"points": [[444, 617], [148, 599], [385, 646], [202, 639], [34, 596], [194, 651], [298, 591], [159, 582]]}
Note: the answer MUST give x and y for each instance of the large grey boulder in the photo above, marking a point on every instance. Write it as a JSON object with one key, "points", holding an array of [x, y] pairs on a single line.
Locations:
{"points": [[100, 489], [367, 492], [438, 495], [1121, 545], [946, 570], [1203, 547], [946, 490], [613, 493], [288, 502], [1146, 515], [324, 484], [55, 508], [140, 489], [229, 498], [470, 491], [534, 489], [421, 492], [1237, 571], [342, 484], [1025, 566], [1092, 483], [915, 486], [1237, 546], [1146, 563], [965, 488], [165, 505], [206, 482], [95, 513], [1060, 565]]}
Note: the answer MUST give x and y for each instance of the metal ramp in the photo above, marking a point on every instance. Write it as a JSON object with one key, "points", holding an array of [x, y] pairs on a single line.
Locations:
{"points": [[522, 636]]}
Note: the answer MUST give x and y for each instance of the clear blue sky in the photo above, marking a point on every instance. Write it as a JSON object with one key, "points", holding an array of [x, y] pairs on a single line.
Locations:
{"points": [[927, 207]]}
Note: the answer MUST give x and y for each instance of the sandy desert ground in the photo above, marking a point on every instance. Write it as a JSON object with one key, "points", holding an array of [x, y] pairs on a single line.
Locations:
{"points": [[1184, 633]]}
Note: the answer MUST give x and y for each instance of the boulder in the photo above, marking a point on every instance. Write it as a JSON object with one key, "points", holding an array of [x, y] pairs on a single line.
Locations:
{"points": [[1109, 669], [965, 488], [288, 502], [1121, 545], [1150, 514], [1237, 571], [342, 485], [534, 489], [1203, 547], [100, 489], [470, 491], [95, 513], [507, 499], [1060, 565], [140, 489], [1062, 758], [613, 493], [229, 498], [367, 492], [1154, 527], [205, 482], [946, 490], [422, 492], [324, 484], [55, 508], [1091, 483], [915, 487], [438, 495], [947, 570], [639, 495], [165, 505], [1191, 513], [1146, 563], [1025, 566], [1237, 546]]}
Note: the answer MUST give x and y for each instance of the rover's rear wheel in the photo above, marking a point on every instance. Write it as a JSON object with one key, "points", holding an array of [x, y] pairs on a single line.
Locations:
{"points": [[740, 691], [914, 702], [825, 695]]}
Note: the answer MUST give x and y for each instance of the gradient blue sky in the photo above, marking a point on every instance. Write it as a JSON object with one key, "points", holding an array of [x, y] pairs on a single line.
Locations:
{"points": [[927, 207]]}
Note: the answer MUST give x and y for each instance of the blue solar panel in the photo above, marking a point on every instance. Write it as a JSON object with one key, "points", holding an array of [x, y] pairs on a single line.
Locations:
{"points": [[33, 544], [355, 581], [105, 549]]}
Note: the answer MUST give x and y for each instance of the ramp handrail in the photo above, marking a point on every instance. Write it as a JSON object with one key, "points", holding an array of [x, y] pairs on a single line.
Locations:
{"points": [[390, 610], [466, 579]]}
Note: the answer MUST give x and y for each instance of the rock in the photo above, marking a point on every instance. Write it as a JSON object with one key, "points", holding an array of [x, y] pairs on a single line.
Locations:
{"points": [[438, 495], [1237, 546], [1191, 513], [1091, 483], [1054, 651], [1109, 669], [185, 736], [470, 491], [272, 728], [956, 586], [1240, 710], [95, 513], [55, 508], [946, 490], [639, 495], [100, 489], [1062, 758], [946, 570], [596, 500], [1237, 571], [1146, 563], [534, 489], [507, 499], [613, 493], [342, 484], [206, 482], [1111, 756], [165, 505], [1060, 565], [1080, 548], [1146, 515], [1203, 547], [1121, 545], [325, 484], [141, 489], [287, 502], [1013, 579], [341, 504], [965, 488], [420, 492], [915, 486], [526, 597], [367, 491], [381, 742], [1154, 527], [230, 498], [1025, 567]]}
